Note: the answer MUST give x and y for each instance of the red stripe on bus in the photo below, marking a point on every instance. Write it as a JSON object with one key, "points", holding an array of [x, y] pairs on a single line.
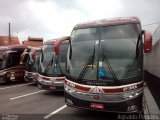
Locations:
{"points": [[82, 88], [77, 86], [123, 89], [60, 79], [140, 85], [113, 90], [45, 78]]}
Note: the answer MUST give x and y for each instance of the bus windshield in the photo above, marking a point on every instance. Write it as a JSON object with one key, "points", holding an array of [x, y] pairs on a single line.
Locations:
{"points": [[63, 56], [46, 60], [106, 53], [51, 64], [2, 59], [13, 59], [32, 65], [2, 63]]}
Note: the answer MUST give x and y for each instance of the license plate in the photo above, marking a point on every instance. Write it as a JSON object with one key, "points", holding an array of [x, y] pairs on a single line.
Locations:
{"points": [[12, 78], [97, 106], [52, 87]]}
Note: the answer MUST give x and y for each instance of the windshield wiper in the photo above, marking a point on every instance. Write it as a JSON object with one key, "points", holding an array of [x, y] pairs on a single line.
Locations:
{"points": [[1, 62], [70, 50], [136, 56], [50, 63], [42, 57], [57, 67], [110, 68], [137, 46], [90, 62]]}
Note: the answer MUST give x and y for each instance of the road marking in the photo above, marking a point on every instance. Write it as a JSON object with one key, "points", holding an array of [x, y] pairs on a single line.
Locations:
{"points": [[26, 95], [15, 86], [54, 112]]}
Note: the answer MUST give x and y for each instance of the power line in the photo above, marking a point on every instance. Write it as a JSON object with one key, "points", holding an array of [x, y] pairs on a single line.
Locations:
{"points": [[151, 24]]}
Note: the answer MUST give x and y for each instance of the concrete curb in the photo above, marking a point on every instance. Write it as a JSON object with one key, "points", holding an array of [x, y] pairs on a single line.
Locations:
{"points": [[151, 108]]}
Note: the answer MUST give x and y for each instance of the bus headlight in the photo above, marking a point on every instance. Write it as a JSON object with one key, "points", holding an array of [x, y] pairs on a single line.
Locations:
{"points": [[26, 73], [69, 90], [39, 79], [131, 95], [34, 74], [3, 73]]}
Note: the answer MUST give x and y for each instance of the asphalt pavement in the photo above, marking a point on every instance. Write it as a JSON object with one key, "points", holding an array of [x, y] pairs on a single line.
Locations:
{"points": [[153, 84], [24, 101]]}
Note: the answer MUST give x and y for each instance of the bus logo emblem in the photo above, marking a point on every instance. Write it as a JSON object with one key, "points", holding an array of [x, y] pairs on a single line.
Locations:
{"points": [[96, 90], [96, 93]]}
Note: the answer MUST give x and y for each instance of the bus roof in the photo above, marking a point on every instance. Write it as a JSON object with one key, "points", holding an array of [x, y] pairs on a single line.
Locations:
{"points": [[35, 48], [106, 22], [59, 41], [62, 40], [6, 40], [53, 41], [49, 42]]}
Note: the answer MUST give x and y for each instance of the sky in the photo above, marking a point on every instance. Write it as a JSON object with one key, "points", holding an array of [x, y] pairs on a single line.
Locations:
{"points": [[51, 19]]}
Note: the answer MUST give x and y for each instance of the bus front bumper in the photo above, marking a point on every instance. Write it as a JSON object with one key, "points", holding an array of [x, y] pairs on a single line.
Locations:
{"points": [[3, 77], [30, 79], [128, 106], [50, 85], [2, 80]]}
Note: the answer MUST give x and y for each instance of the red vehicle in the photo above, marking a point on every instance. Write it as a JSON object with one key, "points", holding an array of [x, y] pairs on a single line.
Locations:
{"points": [[105, 65], [11, 68], [32, 65], [52, 64]]}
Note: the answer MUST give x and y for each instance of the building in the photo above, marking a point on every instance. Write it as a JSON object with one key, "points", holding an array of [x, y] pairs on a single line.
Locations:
{"points": [[33, 42], [6, 40]]}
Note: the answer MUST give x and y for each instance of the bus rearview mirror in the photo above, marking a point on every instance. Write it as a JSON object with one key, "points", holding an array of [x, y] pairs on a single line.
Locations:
{"points": [[147, 41]]}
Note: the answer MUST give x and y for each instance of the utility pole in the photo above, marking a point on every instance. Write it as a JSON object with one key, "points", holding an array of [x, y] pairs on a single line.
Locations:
{"points": [[9, 33]]}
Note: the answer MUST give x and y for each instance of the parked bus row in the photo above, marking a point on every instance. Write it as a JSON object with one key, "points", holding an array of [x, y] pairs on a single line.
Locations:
{"points": [[99, 67], [11, 67], [52, 64]]}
